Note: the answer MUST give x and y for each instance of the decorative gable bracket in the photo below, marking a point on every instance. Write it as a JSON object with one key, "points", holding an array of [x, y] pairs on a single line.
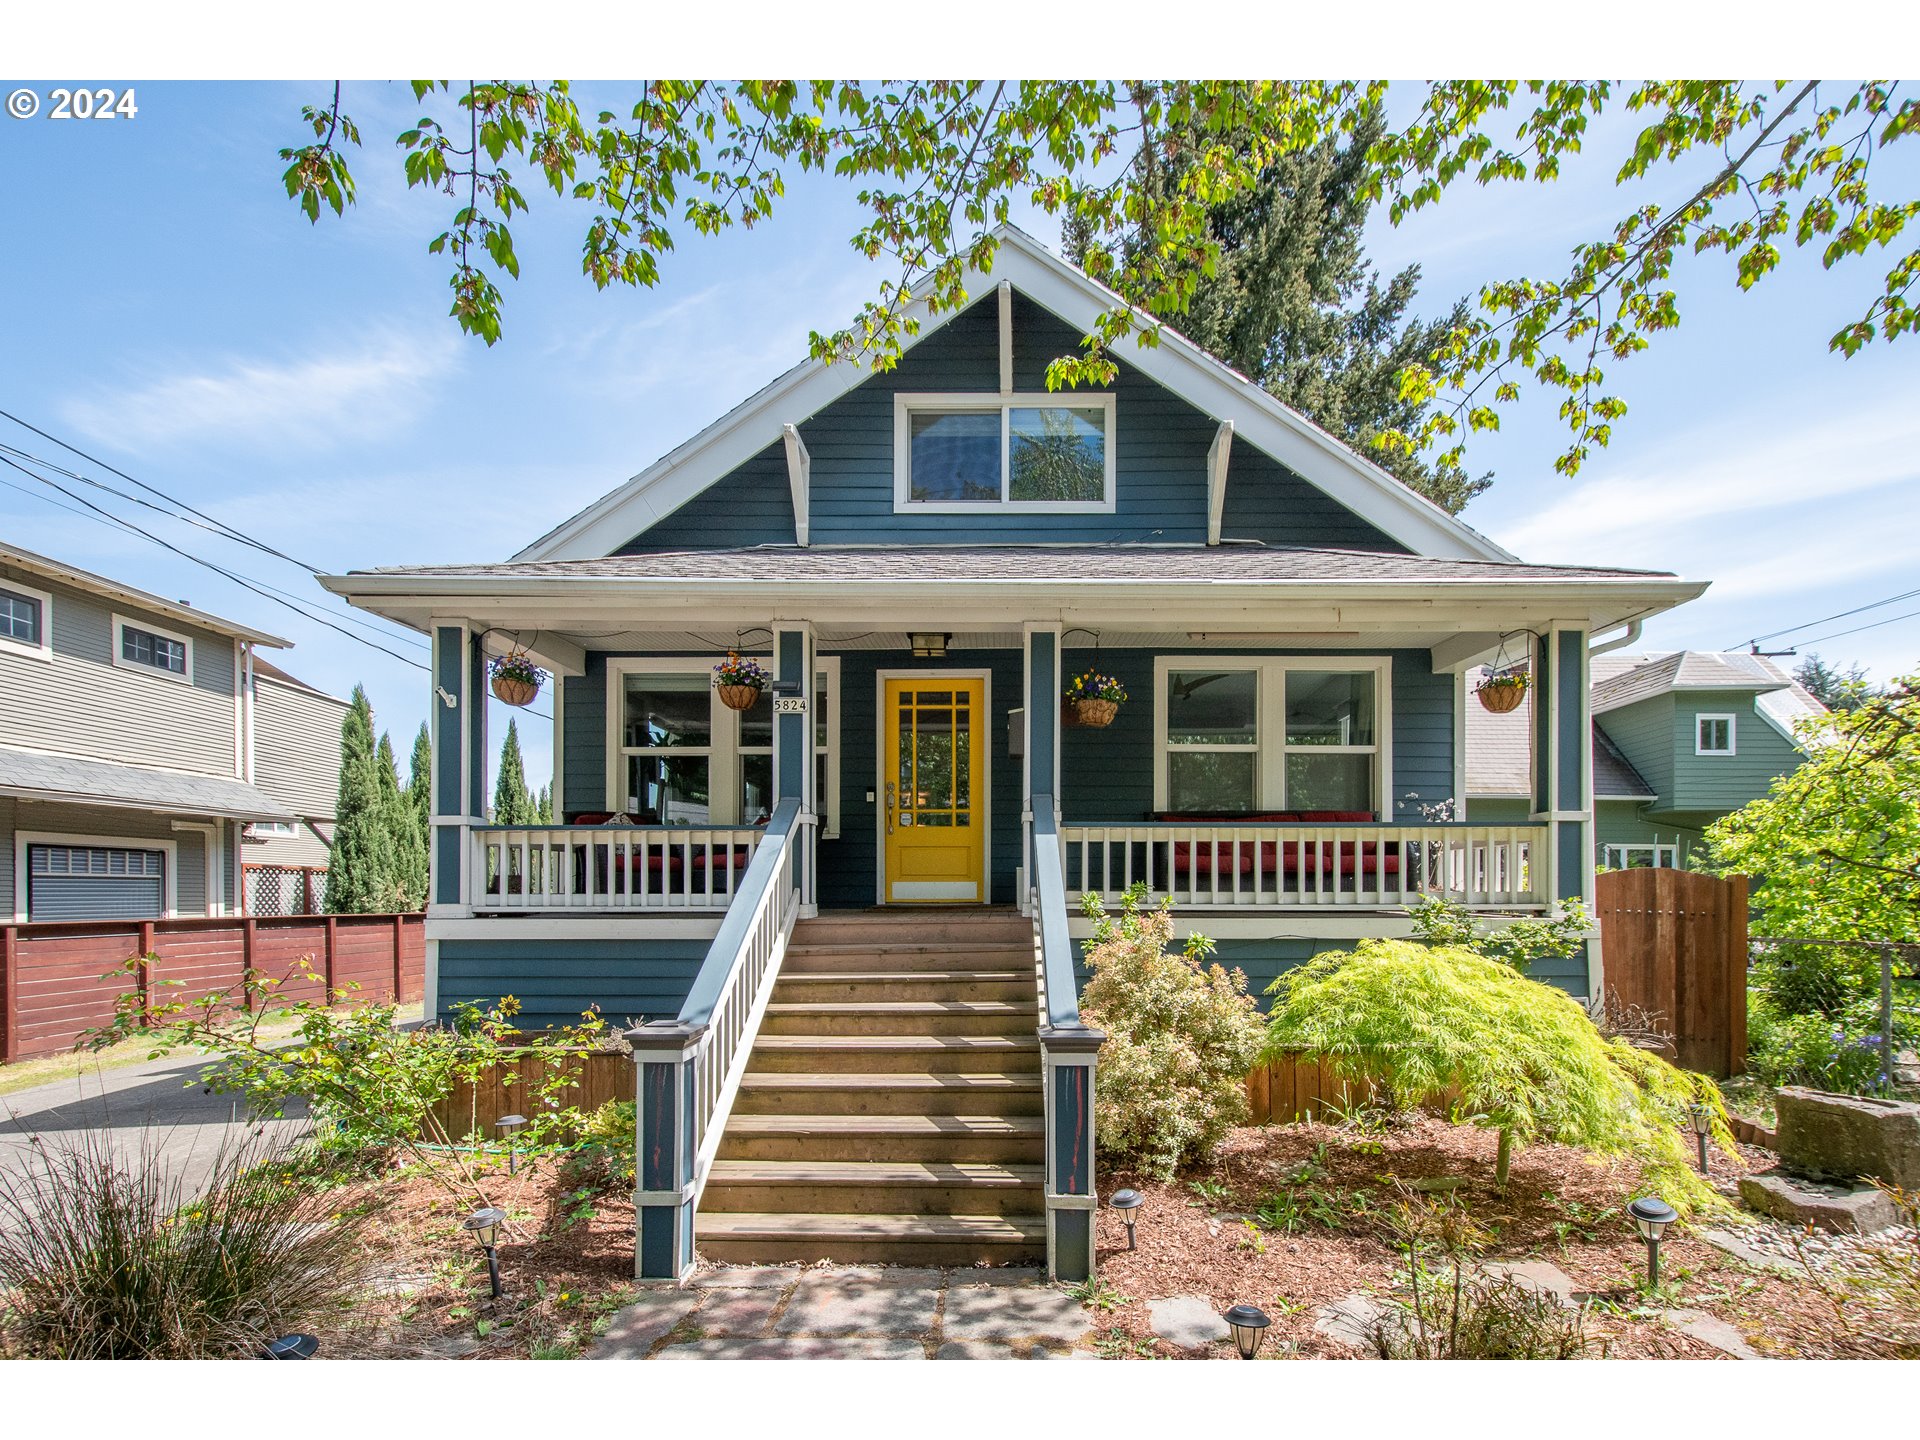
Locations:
{"points": [[800, 478]]}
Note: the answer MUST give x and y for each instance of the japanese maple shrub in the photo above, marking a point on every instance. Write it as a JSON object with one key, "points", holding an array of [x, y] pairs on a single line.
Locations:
{"points": [[1181, 1036], [1442, 1024]]}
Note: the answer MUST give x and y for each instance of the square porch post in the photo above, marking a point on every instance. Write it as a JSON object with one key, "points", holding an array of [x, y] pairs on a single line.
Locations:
{"points": [[663, 1198], [1040, 770], [794, 663], [1563, 772]]}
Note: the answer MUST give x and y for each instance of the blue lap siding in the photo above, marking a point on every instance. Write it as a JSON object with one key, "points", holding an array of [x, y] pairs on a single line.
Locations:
{"points": [[555, 979]]}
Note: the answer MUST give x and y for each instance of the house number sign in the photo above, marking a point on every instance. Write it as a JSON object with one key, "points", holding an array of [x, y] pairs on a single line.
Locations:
{"points": [[789, 704]]}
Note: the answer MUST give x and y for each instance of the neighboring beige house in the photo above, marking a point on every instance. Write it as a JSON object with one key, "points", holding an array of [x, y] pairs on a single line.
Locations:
{"points": [[296, 750], [131, 759]]}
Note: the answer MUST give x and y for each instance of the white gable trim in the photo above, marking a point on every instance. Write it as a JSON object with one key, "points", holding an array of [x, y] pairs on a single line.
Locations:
{"points": [[1029, 267]]}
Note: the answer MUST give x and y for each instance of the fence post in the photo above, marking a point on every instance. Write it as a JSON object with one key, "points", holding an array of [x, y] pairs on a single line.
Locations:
{"points": [[399, 940], [664, 1054], [146, 972], [9, 993], [1886, 1016], [249, 994], [1737, 952], [326, 961]]}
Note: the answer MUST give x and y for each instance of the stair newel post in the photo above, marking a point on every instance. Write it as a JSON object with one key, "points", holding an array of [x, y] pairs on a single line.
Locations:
{"points": [[665, 1056], [1067, 1066]]}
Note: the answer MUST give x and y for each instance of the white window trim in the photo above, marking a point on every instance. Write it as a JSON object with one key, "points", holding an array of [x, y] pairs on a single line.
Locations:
{"points": [[1270, 776], [1699, 722], [1616, 855], [44, 650], [271, 830], [905, 404], [22, 839], [122, 623], [723, 753]]}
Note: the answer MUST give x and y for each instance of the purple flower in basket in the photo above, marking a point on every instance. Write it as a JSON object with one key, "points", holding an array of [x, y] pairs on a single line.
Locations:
{"points": [[737, 669]]}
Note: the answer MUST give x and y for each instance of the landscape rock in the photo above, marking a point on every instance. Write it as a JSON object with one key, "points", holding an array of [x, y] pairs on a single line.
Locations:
{"points": [[1351, 1320], [1188, 1321], [1849, 1135], [1854, 1209], [1746, 1252], [1536, 1275], [1717, 1333]]}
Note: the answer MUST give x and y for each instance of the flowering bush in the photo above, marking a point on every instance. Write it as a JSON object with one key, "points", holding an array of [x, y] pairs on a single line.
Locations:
{"points": [[516, 666], [737, 669], [1840, 1052], [1180, 1039], [1095, 686]]}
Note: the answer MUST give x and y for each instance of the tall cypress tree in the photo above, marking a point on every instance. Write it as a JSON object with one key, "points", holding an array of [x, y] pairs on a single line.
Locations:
{"points": [[1296, 306], [512, 805], [543, 806], [409, 880], [419, 793], [361, 872]]}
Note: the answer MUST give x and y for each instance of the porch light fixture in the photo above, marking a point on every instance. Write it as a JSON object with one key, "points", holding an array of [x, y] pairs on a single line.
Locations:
{"points": [[1702, 1119], [1128, 1203], [506, 1125], [484, 1226], [1249, 1326], [1652, 1215], [291, 1347], [929, 646]]}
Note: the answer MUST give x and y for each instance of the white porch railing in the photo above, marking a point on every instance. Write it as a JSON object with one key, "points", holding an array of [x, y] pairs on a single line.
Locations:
{"points": [[607, 867], [1350, 866], [688, 1069]]}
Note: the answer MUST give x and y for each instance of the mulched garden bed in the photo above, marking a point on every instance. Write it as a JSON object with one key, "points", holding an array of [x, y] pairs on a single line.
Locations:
{"points": [[1561, 1206]]}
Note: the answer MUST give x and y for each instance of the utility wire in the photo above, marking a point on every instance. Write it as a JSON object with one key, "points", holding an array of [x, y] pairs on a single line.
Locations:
{"points": [[1875, 625], [226, 534], [238, 579], [1826, 619]]}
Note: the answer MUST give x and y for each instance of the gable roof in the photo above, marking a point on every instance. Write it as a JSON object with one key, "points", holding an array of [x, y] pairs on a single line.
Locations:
{"points": [[1034, 271], [1685, 670], [1500, 754], [266, 670], [73, 575]]}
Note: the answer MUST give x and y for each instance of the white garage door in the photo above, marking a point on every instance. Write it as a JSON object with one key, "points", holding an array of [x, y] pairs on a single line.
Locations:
{"points": [[95, 882]]}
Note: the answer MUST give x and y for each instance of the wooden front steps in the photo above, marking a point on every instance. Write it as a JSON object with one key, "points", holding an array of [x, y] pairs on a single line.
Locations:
{"points": [[892, 1109]]}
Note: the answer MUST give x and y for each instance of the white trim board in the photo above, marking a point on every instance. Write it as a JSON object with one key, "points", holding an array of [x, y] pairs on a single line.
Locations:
{"points": [[1175, 362]]}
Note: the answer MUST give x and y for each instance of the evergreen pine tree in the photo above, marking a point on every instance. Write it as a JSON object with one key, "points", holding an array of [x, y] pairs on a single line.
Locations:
{"points": [[543, 806], [512, 805], [1296, 307], [361, 873], [419, 793], [409, 885]]}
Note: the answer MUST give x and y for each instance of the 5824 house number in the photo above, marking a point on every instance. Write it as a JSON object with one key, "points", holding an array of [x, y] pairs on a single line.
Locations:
{"points": [[101, 104]]}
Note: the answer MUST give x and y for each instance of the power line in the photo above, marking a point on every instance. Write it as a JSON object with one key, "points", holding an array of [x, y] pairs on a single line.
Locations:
{"points": [[1911, 614], [225, 534], [1827, 619], [241, 580]]}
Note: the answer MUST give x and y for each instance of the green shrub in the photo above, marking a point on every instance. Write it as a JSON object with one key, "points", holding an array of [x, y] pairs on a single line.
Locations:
{"points": [[1438, 1022], [603, 1158], [1519, 941], [1181, 1037], [104, 1257], [1826, 1051]]}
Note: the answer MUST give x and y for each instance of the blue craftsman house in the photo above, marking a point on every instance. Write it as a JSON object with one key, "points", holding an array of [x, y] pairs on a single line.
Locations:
{"points": [[843, 917]]}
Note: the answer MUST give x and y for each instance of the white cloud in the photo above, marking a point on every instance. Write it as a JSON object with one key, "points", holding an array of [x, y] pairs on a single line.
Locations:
{"points": [[311, 400]]}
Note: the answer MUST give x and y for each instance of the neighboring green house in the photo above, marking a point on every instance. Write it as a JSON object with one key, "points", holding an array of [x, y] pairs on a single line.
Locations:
{"points": [[1678, 741]]}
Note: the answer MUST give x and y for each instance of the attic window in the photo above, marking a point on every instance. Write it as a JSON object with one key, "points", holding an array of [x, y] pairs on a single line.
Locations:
{"points": [[1713, 735], [966, 452]]}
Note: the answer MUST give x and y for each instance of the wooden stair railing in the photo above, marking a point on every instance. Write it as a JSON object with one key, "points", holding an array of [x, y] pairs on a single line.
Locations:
{"points": [[687, 1070], [1068, 1047]]}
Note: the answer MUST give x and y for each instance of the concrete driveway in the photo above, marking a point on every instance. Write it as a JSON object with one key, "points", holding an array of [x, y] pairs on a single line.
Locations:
{"points": [[156, 1102]]}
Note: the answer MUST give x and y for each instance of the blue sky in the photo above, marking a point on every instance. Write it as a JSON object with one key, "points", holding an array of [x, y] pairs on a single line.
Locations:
{"points": [[168, 310]]}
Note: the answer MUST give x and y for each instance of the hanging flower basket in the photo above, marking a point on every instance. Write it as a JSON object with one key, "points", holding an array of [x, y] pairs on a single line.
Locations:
{"points": [[1094, 699], [515, 678], [739, 681], [1503, 693]]}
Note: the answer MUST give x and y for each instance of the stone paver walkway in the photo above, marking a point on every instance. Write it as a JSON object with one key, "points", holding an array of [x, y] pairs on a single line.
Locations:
{"points": [[786, 1313]]}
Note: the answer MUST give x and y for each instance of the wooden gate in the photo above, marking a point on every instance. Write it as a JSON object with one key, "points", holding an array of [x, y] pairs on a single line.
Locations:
{"points": [[1675, 944]]}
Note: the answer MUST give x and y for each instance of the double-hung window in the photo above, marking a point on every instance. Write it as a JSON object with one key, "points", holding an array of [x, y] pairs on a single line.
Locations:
{"points": [[681, 757], [139, 646], [1713, 735], [965, 452], [23, 620], [1643, 857], [1250, 734]]}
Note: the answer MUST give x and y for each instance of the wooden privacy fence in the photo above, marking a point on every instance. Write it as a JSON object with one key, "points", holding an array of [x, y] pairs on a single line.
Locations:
{"points": [[56, 977], [1298, 1087], [602, 1075], [1675, 944]]}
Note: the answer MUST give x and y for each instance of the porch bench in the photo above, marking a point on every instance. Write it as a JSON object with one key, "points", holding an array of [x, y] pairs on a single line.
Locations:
{"points": [[1197, 857]]}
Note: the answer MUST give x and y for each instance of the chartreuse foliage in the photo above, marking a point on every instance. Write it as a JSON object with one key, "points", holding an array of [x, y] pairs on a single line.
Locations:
{"points": [[1181, 1036], [1442, 1024], [1744, 168]]}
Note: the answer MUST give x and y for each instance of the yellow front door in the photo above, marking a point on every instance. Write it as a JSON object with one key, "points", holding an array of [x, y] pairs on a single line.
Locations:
{"points": [[933, 770]]}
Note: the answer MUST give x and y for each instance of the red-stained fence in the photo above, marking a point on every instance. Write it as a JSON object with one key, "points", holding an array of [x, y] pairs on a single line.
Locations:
{"points": [[57, 977]]}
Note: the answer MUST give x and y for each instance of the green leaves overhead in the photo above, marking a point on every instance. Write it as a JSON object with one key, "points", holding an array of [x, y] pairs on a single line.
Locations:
{"points": [[937, 164]]}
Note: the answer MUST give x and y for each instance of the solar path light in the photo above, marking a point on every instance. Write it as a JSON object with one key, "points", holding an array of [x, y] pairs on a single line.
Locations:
{"points": [[1652, 1215], [484, 1226], [1249, 1326], [1128, 1203]]}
